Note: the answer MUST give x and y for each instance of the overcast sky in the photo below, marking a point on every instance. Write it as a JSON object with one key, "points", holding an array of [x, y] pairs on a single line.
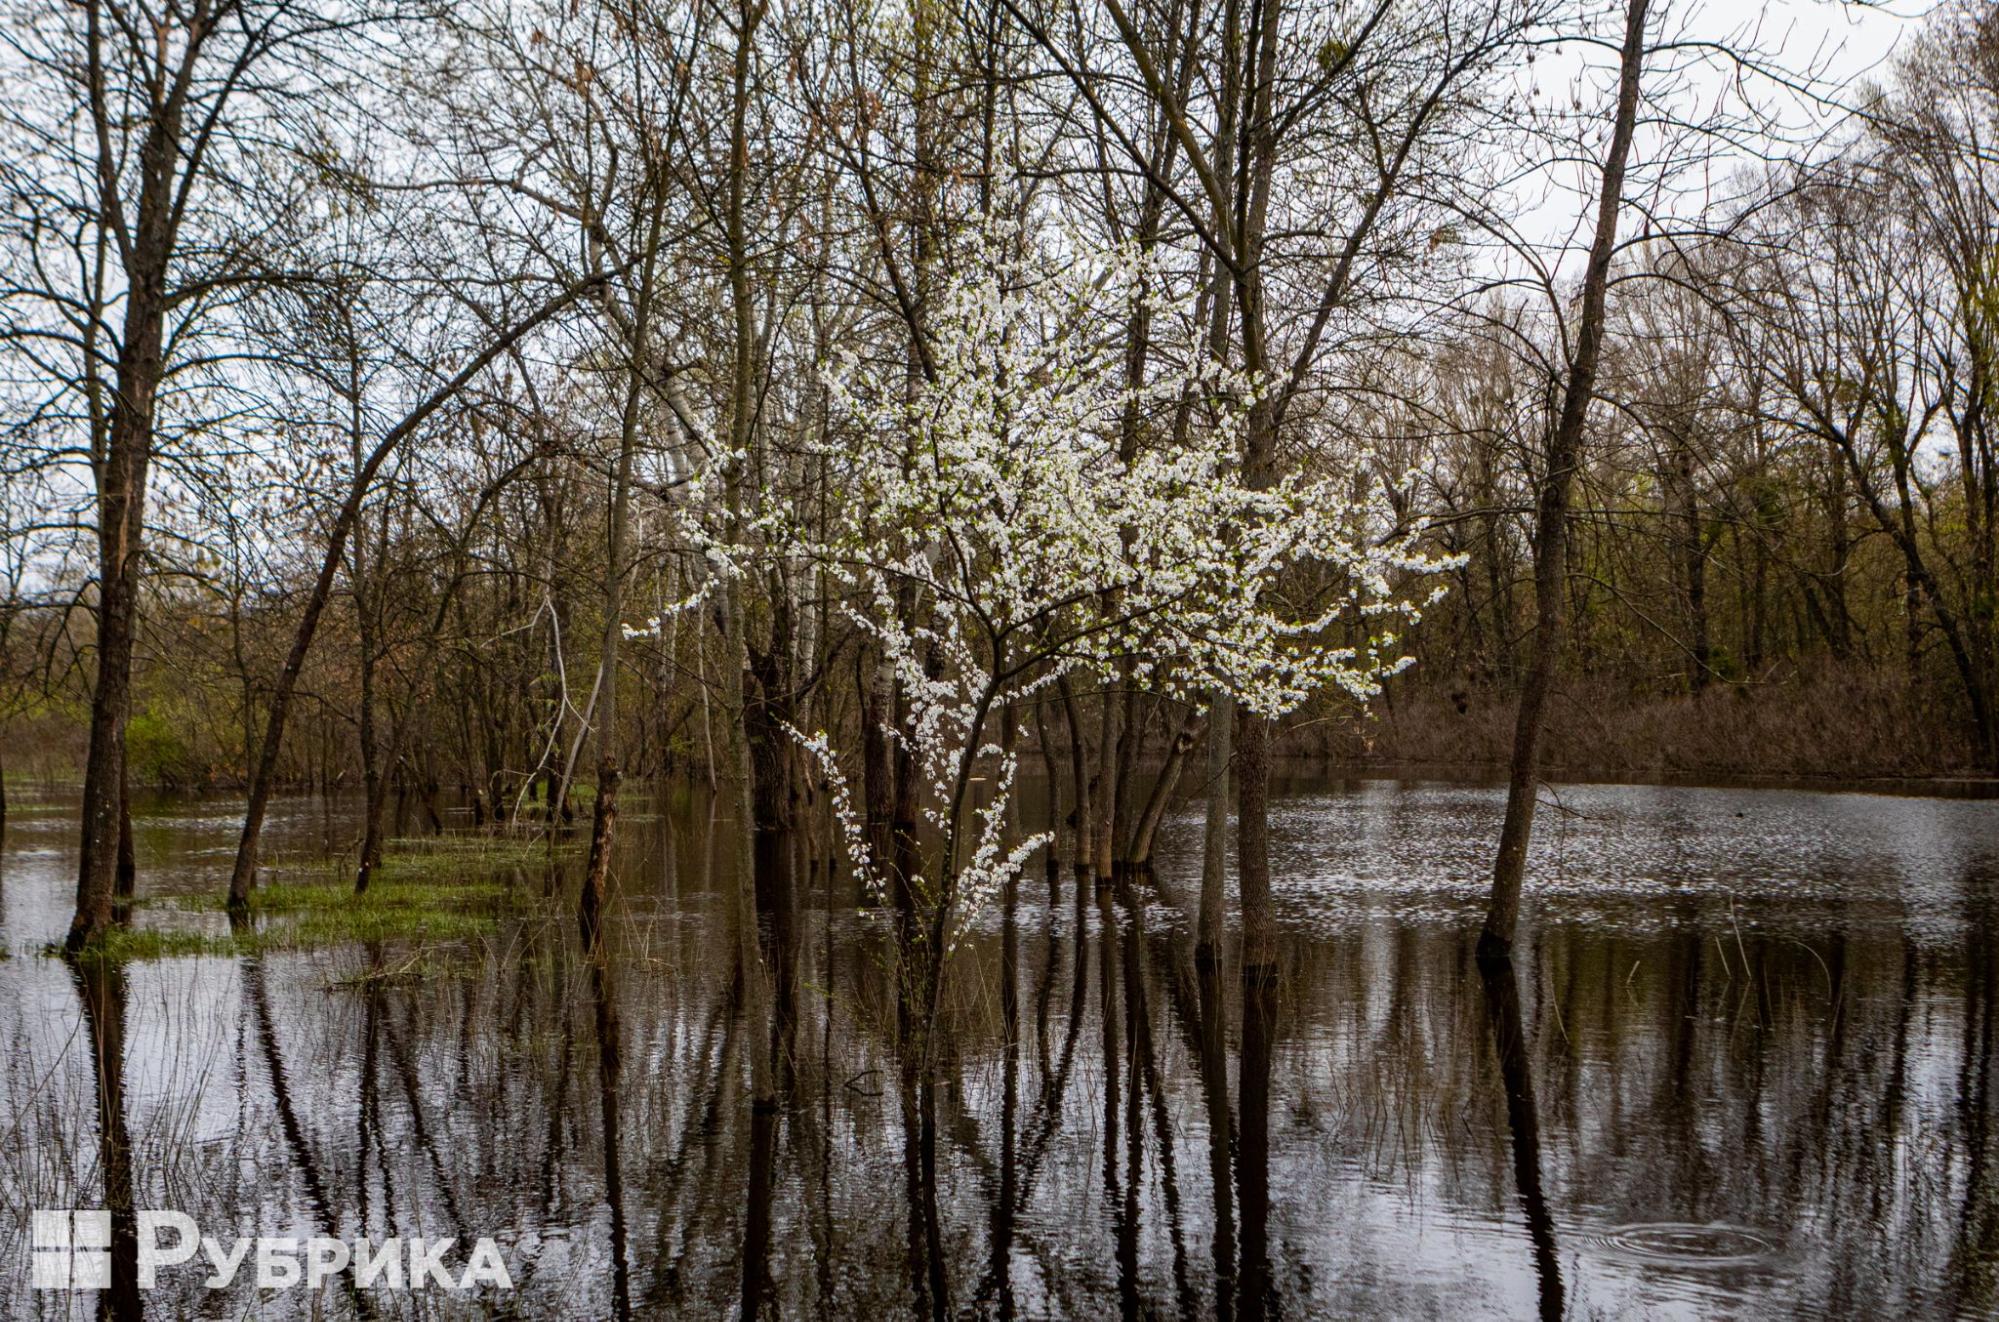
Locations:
{"points": [[1830, 48]]}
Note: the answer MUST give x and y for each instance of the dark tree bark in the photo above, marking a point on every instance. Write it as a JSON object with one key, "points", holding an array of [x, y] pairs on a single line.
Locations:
{"points": [[1254, 732], [610, 1067], [1552, 508], [767, 723], [604, 815], [149, 115], [128, 858], [374, 785], [736, 656], [1214, 850]]}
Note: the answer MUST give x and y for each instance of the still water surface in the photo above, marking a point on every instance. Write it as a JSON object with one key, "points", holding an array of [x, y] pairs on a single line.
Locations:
{"points": [[1745, 1067]]}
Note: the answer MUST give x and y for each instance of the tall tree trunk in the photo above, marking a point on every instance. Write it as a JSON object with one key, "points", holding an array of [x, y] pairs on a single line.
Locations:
{"points": [[1105, 793], [1552, 510], [121, 504], [374, 783], [121, 468], [736, 649], [1252, 765], [767, 722]]}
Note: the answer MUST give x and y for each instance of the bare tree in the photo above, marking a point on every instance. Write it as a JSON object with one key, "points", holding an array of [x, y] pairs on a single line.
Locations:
{"points": [[1552, 503]]}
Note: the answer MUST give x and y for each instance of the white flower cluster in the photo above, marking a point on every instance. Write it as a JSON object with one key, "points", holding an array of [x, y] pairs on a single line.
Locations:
{"points": [[1025, 512], [992, 865], [819, 747], [998, 493]]}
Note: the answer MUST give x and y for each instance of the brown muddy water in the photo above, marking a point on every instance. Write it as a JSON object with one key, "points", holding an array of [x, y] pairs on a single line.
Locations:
{"points": [[1744, 1067]]}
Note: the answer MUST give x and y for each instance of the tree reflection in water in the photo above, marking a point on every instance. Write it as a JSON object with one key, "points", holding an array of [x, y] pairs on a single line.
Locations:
{"points": [[1509, 1042], [1110, 1124]]}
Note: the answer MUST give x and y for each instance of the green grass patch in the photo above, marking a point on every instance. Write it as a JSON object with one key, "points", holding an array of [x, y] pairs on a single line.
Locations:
{"points": [[387, 893], [123, 945], [306, 914], [438, 893]]}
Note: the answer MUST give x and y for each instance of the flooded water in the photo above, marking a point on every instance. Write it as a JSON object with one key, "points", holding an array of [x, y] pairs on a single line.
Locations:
{"points": [[1744, 1066]]}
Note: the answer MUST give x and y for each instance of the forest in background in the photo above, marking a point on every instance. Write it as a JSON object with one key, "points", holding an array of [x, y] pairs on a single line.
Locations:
{"points": [[854, 403]]}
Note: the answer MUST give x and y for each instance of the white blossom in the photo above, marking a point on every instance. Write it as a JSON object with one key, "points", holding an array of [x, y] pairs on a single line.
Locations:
{"points": [[994, 539]]}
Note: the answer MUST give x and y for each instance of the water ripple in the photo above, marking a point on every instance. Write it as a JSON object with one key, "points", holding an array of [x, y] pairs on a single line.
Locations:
{"points": [[1687, 1244]]}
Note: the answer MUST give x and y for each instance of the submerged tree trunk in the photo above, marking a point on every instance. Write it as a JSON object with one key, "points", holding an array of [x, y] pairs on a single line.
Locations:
{"points": [[768, 722], [1214, 840], [603, 829], [374, 789], [1259, 919], [1101, 861], [1552, 510], [905, 847], [1260, 471], [753, 976], [1252, 773]]}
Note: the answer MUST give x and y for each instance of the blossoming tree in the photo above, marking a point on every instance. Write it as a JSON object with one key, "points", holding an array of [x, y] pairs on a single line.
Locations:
{"points": [[998, 542]]}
